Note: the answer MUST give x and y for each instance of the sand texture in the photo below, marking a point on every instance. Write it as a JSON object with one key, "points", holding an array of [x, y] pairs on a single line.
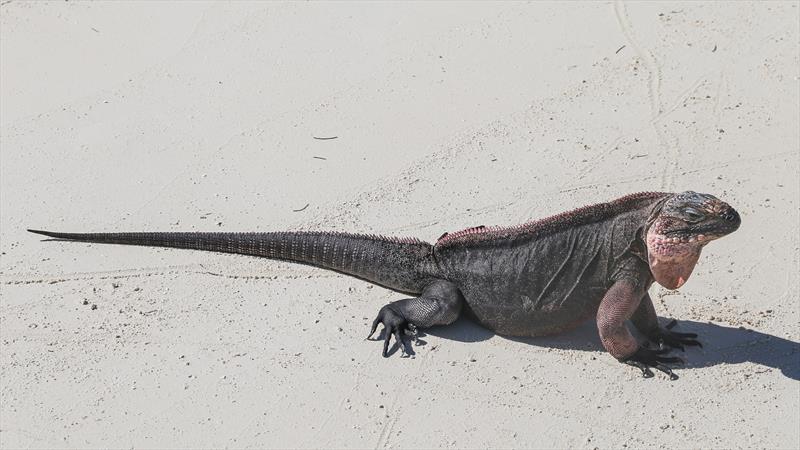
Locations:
{"points": [[187, 116]]}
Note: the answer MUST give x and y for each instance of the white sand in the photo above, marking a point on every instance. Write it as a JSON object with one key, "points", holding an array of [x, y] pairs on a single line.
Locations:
{"points": [[155, 116]]}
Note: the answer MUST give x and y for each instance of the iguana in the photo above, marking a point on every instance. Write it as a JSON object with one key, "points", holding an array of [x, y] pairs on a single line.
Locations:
{"points": [[538, 278]]}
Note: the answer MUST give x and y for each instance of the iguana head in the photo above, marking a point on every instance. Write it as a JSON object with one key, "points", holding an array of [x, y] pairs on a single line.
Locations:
{"points": [[685, 224]]}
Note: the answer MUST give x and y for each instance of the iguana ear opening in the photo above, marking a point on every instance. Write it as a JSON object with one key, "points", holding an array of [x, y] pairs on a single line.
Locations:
{"points": [[672, 271]]}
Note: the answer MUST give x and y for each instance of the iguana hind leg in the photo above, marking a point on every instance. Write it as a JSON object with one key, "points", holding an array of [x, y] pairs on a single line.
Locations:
{"points": [[439, 304]]}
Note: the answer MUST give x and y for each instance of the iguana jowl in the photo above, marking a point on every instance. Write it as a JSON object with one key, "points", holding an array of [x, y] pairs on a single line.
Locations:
{"points": [[538, 278]]}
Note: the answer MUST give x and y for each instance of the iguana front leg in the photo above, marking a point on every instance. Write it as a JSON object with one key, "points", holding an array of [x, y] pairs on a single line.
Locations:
{"points": [[646, 321], [618, 305]]}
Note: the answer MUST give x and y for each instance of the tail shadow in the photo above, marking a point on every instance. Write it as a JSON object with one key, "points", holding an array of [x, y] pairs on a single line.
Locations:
{"points": [[721, 344]]}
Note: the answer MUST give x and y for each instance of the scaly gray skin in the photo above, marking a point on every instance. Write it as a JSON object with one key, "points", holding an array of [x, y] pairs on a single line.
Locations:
{"points": [[539, 278]]}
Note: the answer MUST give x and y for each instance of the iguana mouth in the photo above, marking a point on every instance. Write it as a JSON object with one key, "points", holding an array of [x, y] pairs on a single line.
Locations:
{"points": [[677, 237], [699, 233]]}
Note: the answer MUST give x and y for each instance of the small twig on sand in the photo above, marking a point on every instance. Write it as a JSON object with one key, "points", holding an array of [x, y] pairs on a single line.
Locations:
{"points": [[714, 49], [321, 157], [301, 209], [324, 138], [619, 50]]}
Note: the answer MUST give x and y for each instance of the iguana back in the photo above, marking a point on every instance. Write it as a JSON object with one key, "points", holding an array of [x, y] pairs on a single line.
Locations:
{"points": [[549, 275]]}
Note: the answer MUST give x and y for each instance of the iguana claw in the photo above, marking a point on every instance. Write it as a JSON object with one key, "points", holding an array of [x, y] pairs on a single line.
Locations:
{"points": [[393, 324], [666, 338], [644, 358]]}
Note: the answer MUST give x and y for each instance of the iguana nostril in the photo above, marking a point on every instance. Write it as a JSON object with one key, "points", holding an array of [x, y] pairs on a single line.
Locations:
{"points": [[731, 215]]}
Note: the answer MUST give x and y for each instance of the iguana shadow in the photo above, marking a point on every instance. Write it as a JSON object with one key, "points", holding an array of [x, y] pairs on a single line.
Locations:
{"points": [[721, 344]]}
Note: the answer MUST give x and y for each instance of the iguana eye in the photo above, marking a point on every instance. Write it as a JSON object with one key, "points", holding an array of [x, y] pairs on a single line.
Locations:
{"points": [[693, 215]]}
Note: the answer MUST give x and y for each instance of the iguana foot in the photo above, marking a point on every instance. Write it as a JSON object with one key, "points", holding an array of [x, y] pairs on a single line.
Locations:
{"points": [[439, 304], [666, 338], [394, 323], [644, 358]]}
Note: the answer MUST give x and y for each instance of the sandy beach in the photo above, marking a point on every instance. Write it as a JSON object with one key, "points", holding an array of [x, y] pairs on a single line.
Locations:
{"points": [[398, 119]]}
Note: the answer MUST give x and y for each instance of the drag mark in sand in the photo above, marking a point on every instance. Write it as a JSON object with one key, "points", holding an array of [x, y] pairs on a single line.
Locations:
{"points": [[98, 275], [395, 408], [654, 94], [636, 179]]}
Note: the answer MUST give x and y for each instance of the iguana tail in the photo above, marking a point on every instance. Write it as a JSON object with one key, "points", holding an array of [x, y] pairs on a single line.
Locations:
{"points": [[403, 264]]}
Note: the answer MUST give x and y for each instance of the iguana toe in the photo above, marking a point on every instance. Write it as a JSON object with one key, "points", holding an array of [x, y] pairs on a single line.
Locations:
{"points": [[644, 358], [394, 324], [666, 338]]}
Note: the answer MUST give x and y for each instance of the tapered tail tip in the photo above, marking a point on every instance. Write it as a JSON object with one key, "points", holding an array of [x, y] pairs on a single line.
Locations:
{"points": [[43, 233]]}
